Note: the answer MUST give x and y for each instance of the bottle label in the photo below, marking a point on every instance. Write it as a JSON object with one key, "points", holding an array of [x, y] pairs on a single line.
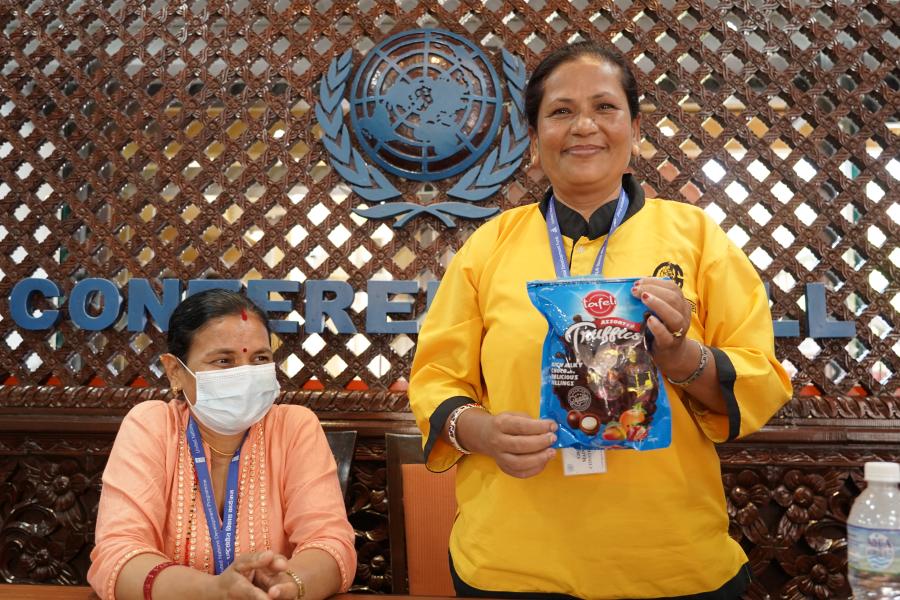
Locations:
{"points": [[875, 550]]}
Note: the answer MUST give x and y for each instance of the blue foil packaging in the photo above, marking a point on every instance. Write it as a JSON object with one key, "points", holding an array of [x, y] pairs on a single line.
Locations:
{"points": [[598, 381]]}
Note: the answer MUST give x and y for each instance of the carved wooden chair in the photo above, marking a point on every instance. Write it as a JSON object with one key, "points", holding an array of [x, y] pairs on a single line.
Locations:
{"points": [[421, 511], [343, 445]]}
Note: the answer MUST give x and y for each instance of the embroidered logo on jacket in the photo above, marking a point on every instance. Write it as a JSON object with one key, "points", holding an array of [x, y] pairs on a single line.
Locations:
{"points": [[674, 272], [671, 270]]}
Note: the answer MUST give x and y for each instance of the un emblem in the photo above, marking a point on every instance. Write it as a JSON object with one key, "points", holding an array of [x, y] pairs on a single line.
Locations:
{"points": [[425, 105]]}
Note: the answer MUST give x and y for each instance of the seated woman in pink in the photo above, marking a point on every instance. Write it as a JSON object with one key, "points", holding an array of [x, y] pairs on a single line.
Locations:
{"points": [[221, 495]]}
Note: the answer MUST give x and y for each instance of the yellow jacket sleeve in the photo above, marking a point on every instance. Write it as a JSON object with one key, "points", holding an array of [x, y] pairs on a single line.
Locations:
{"points": [[446, 371], [738, 329]]}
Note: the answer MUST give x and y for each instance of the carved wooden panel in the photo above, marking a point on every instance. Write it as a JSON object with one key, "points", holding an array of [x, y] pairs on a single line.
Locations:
{"points": [[49, 490], [788, 508], [367, 508]]}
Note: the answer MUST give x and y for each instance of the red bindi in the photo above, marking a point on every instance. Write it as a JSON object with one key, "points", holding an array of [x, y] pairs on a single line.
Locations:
{"points": [[244, 316], [245, 349]]}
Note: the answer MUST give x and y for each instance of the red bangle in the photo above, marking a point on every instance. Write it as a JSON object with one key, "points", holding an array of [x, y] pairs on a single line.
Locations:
{"points": [[151, 577]]}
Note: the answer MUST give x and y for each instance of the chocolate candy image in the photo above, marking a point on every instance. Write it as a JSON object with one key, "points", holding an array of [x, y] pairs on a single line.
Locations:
{"points": [[574, 419], [590, 424]]}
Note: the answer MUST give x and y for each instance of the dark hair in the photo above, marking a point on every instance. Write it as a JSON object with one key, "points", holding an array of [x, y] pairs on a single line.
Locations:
{"points": [[196, 311], [534, 91]]}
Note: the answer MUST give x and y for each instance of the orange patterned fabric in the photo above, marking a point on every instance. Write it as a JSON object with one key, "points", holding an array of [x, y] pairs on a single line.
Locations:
{"points": [[288, 496], [429, 509]]}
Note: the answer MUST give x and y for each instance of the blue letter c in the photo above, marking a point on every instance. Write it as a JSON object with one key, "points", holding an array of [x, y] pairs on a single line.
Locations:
{"points": [[20, 303]]}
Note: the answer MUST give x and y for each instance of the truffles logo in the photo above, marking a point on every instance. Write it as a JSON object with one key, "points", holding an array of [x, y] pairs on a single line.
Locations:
{"points": [[424, 105], [601, 333], [599, 303]]}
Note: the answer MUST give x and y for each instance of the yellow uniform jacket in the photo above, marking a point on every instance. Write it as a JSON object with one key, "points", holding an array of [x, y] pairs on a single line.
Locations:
{"points": [[655, 524]]}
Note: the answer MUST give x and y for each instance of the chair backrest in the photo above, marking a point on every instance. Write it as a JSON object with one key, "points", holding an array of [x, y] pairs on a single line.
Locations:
{"points": [[421, 510], [343, 445]]}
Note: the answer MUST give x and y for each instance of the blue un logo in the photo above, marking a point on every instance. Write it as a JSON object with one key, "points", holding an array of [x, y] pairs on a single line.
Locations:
{"points": [[425, 105]]}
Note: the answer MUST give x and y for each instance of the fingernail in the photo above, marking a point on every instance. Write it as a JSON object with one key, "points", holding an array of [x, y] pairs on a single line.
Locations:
{"points": [[552, 438], [645, 296], [553, 426]]}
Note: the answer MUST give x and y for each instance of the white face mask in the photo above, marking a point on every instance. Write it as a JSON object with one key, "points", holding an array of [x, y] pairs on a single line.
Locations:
{"points": [[229, 401]]}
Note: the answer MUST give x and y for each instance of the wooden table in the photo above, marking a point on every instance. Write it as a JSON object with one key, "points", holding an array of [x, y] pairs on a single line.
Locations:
{"points": [[74, 592], [37, 592]]}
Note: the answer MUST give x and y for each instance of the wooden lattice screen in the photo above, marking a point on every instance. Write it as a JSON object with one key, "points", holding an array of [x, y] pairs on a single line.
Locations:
{"points": [[179, 139], [176, 140]]}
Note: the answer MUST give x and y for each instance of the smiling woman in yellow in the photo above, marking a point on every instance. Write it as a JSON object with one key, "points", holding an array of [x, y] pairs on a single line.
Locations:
{"points": [[654, 524]]}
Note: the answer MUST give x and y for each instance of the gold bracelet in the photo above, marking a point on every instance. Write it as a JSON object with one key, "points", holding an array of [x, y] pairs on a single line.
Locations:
{"points": [[301, 589]]}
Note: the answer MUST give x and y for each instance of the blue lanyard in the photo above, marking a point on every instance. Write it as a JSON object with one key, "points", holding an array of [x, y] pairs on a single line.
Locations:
{"points": [[222, 538], [556, 242]]}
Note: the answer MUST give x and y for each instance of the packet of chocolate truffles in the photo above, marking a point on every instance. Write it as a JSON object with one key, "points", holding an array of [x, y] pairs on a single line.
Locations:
{"points": [[598, 381]]}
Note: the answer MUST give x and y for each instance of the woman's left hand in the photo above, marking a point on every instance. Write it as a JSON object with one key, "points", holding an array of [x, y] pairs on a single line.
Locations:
{"points": [[283, 587], [269, 575], [669, 322]]}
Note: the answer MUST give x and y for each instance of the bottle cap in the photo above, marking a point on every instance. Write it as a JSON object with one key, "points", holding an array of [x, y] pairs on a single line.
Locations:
{"points": [[883, 471]]}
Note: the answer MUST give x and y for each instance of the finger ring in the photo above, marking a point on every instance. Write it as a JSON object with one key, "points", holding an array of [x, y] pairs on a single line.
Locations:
{"points": [[679, 333]]}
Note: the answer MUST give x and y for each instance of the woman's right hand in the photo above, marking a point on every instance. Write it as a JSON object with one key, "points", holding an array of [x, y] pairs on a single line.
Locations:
{"points": [[236, 582], [518, 443]]}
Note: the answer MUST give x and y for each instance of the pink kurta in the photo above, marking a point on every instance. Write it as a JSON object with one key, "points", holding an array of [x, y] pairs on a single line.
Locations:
{"points": [[289, 498]]}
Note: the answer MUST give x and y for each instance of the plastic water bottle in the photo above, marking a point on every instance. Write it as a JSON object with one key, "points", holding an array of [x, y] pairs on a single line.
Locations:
{"points": [[873, 535]]}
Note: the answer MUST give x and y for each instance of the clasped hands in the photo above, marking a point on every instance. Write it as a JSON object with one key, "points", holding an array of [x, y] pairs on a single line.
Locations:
{"points": [[257, 576]]}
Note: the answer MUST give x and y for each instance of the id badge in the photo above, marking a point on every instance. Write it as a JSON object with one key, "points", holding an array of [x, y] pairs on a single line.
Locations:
{"points": [[583, 462]]}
